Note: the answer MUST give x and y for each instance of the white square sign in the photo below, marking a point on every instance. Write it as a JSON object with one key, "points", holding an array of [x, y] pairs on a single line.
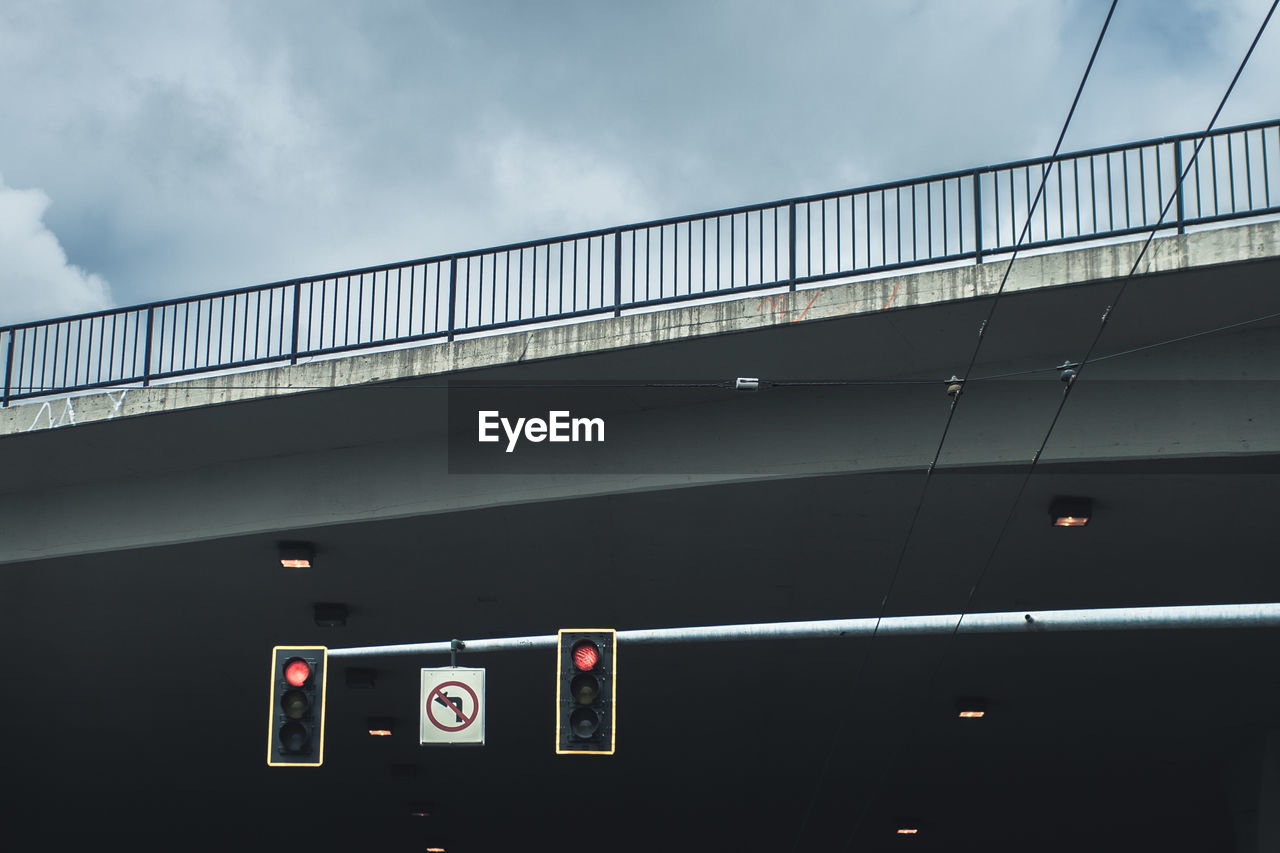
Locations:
{"points": [[452, 706]]}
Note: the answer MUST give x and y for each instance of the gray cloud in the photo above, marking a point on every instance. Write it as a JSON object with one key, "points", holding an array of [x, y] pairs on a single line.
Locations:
{"points": [[206, 145]]}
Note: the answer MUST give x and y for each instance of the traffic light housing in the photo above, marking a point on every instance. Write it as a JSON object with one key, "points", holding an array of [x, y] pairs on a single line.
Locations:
{"points": [[295, 734], [586, 687]]}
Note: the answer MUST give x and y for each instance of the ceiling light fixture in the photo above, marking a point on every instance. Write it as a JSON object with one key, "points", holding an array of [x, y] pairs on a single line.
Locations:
{"points": [[381, 726], [296, 555], [971, 708], [1070, 512]]}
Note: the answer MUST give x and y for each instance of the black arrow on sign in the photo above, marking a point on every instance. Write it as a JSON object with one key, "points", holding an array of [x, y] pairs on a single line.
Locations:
{"points": [[453, 704]]}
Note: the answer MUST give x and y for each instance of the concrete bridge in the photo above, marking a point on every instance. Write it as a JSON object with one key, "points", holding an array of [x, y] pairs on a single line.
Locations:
{"points": [[854, 376], [140, 528]]}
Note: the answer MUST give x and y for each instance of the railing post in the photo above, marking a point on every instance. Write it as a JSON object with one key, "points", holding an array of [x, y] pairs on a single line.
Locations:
{"points": [[791, 238], [453, 293], [1177, 170], [146, 350], [617, 273], [297, 307], [977, 216], [8, 367]]}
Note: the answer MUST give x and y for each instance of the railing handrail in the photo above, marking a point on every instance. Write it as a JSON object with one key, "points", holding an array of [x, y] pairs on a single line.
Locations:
{"points": [[655, 223], [611, 239]]}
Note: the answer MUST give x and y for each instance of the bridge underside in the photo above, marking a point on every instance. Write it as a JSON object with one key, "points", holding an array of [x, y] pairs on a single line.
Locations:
{"points": [[144, 594]]}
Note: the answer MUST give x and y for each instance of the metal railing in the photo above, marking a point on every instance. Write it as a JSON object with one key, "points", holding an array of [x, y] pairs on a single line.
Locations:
{"points": [[967, 215]]}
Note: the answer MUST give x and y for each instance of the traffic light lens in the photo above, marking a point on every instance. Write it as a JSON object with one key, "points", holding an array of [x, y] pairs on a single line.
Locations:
{"points": [[584, 722], [585, 689], [586, 655], [295, 704], [296, 672], [293, 736]]}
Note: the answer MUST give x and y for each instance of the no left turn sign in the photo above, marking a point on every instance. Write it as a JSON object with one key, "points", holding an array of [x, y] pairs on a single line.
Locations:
{"points": [[452, 706]]}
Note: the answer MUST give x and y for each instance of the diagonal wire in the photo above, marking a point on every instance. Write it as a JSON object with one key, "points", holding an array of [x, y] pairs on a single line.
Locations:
{"points": [[955, 399], [1110, 309], [915, 515], [1092, 346]]}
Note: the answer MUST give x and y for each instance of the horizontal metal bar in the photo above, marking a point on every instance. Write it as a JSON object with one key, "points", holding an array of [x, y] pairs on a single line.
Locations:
{"points": [[1015, 622], [536, 319], [1224, 217], [109, 384], [387, 342]]}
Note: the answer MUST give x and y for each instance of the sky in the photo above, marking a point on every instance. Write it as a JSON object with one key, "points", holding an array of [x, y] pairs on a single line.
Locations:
{"points": [[153, 150]]}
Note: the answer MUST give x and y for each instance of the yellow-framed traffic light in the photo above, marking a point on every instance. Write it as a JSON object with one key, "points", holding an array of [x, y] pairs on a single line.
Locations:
{"points": [[295, 721], [586, 691]]}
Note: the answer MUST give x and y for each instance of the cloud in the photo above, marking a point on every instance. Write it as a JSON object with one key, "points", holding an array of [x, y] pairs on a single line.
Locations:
{"points": [[36, 280], [204, 145], [548, 185]]}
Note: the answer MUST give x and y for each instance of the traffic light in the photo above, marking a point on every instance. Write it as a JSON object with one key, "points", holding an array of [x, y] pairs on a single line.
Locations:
{"points": [[295, 734], [586, 712]]}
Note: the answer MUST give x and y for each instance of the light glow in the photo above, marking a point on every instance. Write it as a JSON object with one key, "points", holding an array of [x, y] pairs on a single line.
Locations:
{"points": [[586, 656], [380, 732], [907, 831], [296, 555], [296, 672], [972, 715], [1071, 521]]}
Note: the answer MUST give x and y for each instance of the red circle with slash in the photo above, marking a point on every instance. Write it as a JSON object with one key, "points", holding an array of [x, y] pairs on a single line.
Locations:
{"points": [[456, 708]]}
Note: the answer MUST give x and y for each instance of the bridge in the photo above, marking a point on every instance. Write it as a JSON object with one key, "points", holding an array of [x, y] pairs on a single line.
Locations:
{"points": [[154, 458]]}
